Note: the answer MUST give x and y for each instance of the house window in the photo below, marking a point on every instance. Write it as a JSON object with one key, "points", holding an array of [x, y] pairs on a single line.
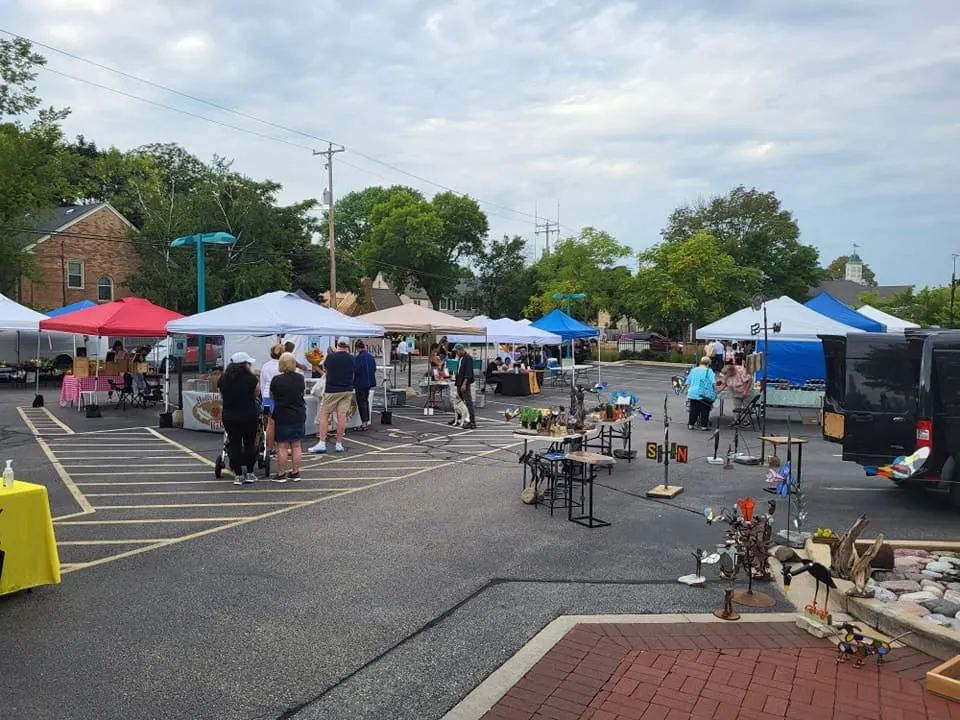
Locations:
{"points": [[105, 289], [75, 274]]}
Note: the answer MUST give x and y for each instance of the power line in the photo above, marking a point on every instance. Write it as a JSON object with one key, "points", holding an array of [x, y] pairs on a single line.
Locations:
{"points": [[248, 116]]}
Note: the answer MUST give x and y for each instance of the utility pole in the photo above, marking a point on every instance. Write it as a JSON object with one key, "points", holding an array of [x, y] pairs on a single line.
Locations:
{"points": [[546, 228], [328, 197]]}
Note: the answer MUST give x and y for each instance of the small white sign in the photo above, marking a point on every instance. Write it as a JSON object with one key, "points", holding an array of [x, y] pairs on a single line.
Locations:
{"points": [[178, 346]]}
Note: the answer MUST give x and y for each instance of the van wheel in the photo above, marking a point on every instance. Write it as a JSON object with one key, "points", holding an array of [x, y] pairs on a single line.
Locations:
{"points": [[949, 477]]}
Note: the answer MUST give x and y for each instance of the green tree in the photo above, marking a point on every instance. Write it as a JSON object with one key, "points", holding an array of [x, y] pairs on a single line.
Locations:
{"points": [[690, 281], [35, 164], [270, 237], [587, 264], [837, 270], [752, 228], [18, 72], [423, 243], [503, 279], [928, 307], [352, 213]]}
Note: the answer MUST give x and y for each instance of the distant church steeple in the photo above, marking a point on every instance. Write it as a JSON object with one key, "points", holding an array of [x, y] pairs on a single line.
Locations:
{"points": [[854, 267]]}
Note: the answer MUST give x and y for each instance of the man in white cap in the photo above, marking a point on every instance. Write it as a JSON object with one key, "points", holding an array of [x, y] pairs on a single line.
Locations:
{"points": [[338, 395]]}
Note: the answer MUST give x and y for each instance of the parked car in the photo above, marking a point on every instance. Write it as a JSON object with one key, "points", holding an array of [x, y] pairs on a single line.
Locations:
{"points": [[655, 342], [161, 351], [889, 394]]}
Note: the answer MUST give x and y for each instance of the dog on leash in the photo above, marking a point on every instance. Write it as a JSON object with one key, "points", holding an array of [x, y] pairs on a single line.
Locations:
{"points": [[461, 415]]}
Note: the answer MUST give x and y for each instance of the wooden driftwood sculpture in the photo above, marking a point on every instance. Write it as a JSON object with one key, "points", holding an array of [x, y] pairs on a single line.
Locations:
{"points": [[861, 569], [843, 554]]}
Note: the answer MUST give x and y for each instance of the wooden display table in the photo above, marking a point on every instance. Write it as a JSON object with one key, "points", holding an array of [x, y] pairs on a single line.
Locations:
{"points": [[29, 550]]}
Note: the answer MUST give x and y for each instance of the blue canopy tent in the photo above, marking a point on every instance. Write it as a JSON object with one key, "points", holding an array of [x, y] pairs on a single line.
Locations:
{"points": [[826, 304], [559, 323], [796, 361], [82, 305]]}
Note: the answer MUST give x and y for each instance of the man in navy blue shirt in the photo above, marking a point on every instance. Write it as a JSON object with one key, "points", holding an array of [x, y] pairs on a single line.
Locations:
{"points": [[464, 379], [338, 394]]}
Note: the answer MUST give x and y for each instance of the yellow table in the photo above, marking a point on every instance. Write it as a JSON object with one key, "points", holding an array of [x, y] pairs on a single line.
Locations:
{"points": [[26, 538]]}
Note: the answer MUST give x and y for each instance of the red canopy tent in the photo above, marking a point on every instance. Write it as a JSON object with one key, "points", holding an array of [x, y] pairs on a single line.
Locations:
{"points": [[127, 317]]}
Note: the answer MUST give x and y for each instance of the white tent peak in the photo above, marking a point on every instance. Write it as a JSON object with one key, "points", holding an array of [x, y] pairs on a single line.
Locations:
{"points": [[505, 330], [14, 316], [797, 322], [893, 323], [275, 313], [418, 319]]}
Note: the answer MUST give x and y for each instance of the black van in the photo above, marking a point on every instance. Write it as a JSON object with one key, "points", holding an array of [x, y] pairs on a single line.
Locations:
{"points": [[889, 394]]}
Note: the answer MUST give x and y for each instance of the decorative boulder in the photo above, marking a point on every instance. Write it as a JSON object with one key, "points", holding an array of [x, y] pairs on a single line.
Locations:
{"points": [[941, 607], [901, 586], [940, 567], [939, 619], [918, 597]]}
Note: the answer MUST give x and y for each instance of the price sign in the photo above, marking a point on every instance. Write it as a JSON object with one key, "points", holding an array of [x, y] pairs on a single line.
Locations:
{"points": [[178, 346]]}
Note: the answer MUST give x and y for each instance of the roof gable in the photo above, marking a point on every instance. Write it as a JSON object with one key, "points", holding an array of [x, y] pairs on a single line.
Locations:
{"points": [[61, 218]]}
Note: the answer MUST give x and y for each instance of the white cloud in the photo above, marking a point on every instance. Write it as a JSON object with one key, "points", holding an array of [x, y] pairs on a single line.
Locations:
{"points": [[621, 110]]}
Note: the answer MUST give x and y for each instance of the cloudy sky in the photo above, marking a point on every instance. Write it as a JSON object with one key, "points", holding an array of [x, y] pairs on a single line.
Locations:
{"points": [[848, 109]]}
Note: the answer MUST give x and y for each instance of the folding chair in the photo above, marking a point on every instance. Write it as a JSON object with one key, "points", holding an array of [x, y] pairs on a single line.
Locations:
{"points": [[553, 372], [748, 416], [124, 392]]}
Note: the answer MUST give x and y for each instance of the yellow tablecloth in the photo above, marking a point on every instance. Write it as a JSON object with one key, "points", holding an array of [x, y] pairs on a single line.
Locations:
{"points": [[26, 538]]}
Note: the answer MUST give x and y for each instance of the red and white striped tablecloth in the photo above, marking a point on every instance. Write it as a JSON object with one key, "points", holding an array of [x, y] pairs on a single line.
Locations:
{"points": [[73, 386]]}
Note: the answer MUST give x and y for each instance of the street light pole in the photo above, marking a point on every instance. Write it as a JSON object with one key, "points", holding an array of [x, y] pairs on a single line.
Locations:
{"points": [[568, 297]]}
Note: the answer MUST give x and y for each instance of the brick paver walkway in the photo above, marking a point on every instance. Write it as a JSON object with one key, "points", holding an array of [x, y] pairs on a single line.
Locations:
{"points": [[710, 671]]}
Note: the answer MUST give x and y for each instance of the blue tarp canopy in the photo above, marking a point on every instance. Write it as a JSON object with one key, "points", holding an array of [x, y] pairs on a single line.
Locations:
{"points": [[82, 305], [826, 304], [795, 361], [559, 323]]}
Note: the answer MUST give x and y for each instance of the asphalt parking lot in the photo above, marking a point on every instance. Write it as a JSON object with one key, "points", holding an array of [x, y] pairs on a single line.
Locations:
{"points": [[387, 584]]}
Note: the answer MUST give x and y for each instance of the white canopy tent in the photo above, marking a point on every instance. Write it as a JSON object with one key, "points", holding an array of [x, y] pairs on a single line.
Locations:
{"points": [[893, 323], [507, 331], [276, 313], [797, 322], [14, 316]]}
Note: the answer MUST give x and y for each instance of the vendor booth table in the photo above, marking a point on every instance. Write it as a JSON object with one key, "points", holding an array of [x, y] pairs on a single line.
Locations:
{"points": [[73, 386], [202, 411], [521, 384], [28, 549]]}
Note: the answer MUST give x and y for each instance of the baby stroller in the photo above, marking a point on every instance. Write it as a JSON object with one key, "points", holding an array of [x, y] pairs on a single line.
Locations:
{"points": [[263, 455]]}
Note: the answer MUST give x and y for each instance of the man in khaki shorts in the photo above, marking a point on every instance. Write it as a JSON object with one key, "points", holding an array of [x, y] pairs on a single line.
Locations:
{"points": [[337, 396]]}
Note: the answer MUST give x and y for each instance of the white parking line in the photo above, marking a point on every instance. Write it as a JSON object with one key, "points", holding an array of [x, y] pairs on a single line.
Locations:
{"points": [[231, 491]]}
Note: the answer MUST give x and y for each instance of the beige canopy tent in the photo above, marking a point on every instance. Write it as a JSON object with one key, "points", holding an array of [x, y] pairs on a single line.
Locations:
{"points": [[420, 320]]}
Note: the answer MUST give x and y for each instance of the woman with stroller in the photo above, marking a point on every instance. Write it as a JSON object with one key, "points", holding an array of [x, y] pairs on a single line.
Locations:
{"points": [[289, 417], [240, 414], [702, 391]]}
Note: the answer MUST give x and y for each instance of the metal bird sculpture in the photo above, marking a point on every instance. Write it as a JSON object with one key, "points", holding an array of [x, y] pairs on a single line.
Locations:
{"points": [[821, 574]]}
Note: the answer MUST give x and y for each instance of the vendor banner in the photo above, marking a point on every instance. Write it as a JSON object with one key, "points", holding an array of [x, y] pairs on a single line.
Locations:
{"points": [[202, 411]]}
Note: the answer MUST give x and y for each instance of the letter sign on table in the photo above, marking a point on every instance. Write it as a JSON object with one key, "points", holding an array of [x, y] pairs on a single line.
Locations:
{"points": [[651, 451]]}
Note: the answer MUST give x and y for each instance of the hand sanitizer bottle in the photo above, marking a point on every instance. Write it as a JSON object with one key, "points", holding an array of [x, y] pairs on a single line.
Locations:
{"points": [[8, 475]]}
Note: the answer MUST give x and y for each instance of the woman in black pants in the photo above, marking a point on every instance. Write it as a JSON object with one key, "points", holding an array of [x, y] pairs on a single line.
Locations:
{"points": [[239, 393]]}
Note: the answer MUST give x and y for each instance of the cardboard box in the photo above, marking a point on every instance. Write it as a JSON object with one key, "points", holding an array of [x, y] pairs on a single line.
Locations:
{"points": [[81, 367]]}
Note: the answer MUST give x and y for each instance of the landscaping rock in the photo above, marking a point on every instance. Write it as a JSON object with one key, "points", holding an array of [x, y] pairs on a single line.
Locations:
{"points": [[940, 567], [939, 619], [953, 586], [909, 608], [901, 586], [952, 596], [932, 574], [918, 597], [935, 590], [786, 554], [942, 607], [927, 584], [909, 552], [916, 577], [884, 595], [909, 563], [952, 559]]}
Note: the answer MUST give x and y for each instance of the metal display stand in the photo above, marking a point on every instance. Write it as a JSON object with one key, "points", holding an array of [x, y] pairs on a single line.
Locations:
{"points": [[589, 462]]}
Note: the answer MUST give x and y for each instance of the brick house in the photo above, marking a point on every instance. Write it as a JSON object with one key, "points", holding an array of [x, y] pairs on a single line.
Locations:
{"points": [[81, 252]]}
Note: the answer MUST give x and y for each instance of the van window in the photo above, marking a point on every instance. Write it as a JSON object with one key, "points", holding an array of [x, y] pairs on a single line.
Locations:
{"points": [[946, 382], [882, 378]]}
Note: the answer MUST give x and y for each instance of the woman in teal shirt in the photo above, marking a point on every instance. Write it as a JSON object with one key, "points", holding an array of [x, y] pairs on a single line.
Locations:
{"points": [[702, 391]]}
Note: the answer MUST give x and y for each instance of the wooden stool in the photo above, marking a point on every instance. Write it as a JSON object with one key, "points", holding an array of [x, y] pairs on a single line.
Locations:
{"points": [[589, 461]]}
